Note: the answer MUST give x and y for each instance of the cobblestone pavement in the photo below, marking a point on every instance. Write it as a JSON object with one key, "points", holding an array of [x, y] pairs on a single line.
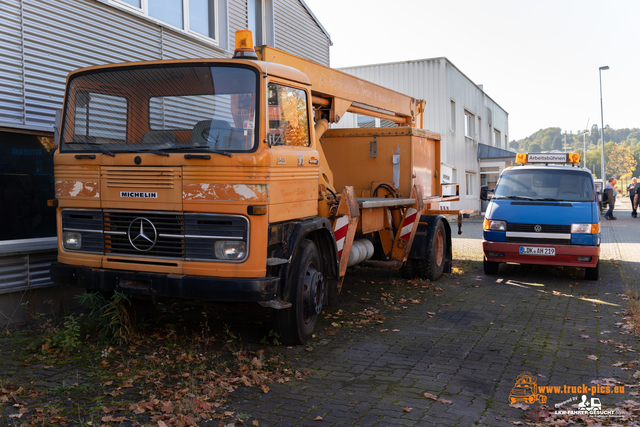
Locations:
{"points": [[486, 330]]}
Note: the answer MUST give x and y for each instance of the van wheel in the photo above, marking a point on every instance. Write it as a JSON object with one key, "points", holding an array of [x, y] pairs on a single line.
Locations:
{"points": [[296, 323], [592, 273], [490, 267]]}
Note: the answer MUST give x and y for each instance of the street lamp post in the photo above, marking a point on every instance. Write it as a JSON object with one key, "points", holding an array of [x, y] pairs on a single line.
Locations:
{"points": [[602, 169]]}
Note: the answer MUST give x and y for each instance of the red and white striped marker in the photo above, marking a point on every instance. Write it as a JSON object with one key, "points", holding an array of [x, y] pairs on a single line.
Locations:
{"points": [[408, 223], [340, 232]]}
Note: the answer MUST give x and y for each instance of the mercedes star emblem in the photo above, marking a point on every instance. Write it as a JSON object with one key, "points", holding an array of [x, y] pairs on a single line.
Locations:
{"points": [[537, 228], [142, 234]]}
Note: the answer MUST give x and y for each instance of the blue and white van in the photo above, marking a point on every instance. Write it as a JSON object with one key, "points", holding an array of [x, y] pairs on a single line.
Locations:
{"points": [[543, 211]]}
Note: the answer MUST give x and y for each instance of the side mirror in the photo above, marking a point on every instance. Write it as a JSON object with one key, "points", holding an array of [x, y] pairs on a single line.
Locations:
{"points": [[484, 192], [56, 127]]}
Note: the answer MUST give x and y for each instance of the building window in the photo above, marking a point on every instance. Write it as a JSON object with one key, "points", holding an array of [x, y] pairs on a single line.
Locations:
{"points": [[453, 116], [470, 184], [496, 137], [194, 16], [469, 122]]}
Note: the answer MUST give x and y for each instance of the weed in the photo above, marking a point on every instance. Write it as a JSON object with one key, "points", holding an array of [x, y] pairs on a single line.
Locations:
{"points": [[275, 338], [68, 337], [111, 315]]}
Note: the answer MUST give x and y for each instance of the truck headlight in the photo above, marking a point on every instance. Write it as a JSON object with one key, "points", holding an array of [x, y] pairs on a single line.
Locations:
{"points": [[71, 240], [230, 249], [585, 228], [493, 225]]}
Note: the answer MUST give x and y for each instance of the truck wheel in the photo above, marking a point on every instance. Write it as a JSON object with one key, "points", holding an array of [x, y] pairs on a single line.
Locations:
{"points": [[490, 267], [409, 270], [433, 267], [592, 273], [296, 323]]}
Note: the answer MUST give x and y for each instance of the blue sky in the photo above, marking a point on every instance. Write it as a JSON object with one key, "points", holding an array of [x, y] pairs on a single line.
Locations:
{"points": [[538, 59]]}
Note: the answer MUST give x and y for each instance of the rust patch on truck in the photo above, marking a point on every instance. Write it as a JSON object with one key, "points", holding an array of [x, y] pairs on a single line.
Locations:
{"points": [[226, 192], [77, 189]]}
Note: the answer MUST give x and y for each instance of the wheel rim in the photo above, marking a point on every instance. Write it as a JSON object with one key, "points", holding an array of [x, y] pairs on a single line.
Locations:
{"points": [[313, 293], [439, 248]]}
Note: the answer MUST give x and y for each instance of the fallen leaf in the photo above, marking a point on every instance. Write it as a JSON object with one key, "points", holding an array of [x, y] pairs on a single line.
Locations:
{"points": [[592, 357], [265, 389], [256, 423], [584, 336], [519, 405], [407, 409], [517, 423], [318, 418]]}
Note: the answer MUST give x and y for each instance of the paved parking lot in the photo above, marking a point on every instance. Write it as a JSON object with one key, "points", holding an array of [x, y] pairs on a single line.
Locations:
{"points": [[466, 344]]}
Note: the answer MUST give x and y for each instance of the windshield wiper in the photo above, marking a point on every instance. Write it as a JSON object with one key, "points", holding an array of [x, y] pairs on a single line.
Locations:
{"points": [[95, 144], [159, 153], [514, 197], [205, 149]]}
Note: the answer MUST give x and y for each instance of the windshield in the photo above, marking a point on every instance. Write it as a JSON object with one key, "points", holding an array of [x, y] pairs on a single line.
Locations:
{"points": [[161, 108], [550, 185]]}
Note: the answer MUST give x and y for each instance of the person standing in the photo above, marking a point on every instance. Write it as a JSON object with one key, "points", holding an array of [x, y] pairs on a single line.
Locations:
{"points": [[611, 185], [632, 189]]}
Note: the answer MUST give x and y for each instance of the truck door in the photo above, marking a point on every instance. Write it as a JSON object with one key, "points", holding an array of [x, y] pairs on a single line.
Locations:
{"points": [[294, 162]]}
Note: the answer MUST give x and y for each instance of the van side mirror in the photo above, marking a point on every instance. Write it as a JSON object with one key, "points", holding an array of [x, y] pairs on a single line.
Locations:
{"points": [[484, 192]]}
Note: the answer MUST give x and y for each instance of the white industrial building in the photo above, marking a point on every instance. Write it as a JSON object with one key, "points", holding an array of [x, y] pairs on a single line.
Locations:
{"points": [[467, 119], [41, 41]]}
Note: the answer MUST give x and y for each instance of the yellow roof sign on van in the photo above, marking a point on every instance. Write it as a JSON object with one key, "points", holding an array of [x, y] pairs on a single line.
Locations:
{"points": [[548, 158]]}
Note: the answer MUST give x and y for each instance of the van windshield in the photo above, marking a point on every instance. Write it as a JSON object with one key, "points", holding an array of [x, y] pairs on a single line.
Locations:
{"points": [[548, 185], [160, 108]]}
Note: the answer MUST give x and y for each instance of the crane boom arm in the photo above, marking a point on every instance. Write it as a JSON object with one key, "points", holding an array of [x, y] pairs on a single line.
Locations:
{"points": [[338, 92]]}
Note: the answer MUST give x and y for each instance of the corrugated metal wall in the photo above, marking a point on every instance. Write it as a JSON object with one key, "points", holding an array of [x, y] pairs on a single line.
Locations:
{"points": [[439, 82], [297, 32], [11, 62], [24, 272], [62, 35]]}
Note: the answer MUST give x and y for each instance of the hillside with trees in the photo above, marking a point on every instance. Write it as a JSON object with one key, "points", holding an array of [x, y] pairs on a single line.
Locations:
{"points": [[621, 148]]}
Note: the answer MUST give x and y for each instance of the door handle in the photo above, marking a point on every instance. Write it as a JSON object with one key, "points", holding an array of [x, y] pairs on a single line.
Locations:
{"points": [[313, 161]]}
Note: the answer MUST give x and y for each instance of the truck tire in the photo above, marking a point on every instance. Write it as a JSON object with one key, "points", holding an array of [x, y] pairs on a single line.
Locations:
{"points": [[296, 323], [409, 270], [433, 267], [592, 273], [490, 267]]}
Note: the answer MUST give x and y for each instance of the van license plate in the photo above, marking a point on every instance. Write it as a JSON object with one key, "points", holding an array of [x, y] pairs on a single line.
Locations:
{"points": [[537, 250]]}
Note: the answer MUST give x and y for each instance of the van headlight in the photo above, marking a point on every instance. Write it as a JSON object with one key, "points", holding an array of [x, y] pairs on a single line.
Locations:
{"points": [[71, 240], [493, 225], [585, 228], [230, 249]]}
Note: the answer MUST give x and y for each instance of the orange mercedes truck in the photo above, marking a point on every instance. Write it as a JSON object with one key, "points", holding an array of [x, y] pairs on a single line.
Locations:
{"points": [[220, 180]]}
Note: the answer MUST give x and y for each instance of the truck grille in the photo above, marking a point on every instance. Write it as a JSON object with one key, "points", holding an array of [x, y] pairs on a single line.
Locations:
{"points": [[172, 235], [125, 232]]}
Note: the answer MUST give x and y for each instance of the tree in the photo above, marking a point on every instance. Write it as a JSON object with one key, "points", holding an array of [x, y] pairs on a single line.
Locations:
{"points": [[620, 161], [593, 162], [534, 147]]}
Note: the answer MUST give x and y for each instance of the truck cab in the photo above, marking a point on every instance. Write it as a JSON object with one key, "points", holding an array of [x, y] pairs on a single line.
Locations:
{"points": [[543, 211]]}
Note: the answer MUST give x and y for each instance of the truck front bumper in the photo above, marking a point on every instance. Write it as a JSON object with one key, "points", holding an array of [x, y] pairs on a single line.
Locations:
{"points": [[566, 255], [167, 285]]}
